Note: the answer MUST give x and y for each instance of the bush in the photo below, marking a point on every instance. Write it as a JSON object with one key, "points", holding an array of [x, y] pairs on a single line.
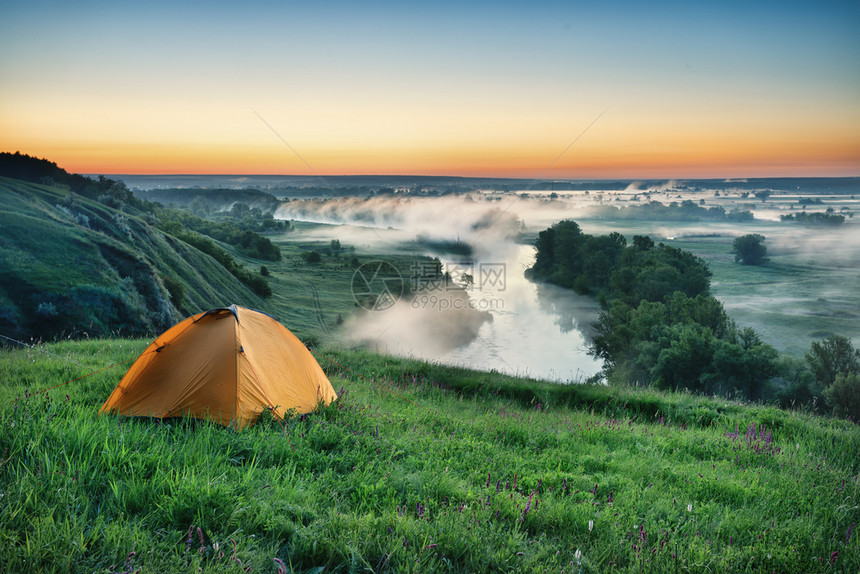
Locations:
{"points": [[175, 288], [832, 356], [750, 250], [844, 396], [312, 257]]}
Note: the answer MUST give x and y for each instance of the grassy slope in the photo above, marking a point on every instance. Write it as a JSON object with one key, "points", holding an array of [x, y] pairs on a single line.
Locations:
{"points": [[419, 467], [100, 276], [297, 284], [108, 276]]}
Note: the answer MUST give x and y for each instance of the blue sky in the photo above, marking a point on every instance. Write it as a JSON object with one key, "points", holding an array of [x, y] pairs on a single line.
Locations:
{"points": [[484, 89]]}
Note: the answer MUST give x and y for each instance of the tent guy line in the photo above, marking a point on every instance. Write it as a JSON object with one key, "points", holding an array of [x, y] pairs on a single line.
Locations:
{"points": [[35, 348], [79, 378]]}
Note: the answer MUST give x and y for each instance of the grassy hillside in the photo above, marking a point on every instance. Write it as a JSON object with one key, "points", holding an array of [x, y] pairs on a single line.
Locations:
{"points": [[74, 266], [418, 468]]}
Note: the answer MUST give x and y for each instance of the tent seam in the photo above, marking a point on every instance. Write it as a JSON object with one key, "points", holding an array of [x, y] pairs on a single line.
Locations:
{"points": [[240, 351]]}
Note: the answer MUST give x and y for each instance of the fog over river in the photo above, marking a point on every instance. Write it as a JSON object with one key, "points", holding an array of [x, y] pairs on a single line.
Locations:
{"points": [[506, 323], [533, 329], [517, 326]]}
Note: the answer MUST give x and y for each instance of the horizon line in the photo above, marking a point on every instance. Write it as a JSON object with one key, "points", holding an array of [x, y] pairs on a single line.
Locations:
{"points": [[727, 179]]}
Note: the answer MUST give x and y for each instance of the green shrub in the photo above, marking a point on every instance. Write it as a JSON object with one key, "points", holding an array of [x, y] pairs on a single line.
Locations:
{"points": [[844, 396], [750, 249], [832, 356], [312, 257], [175, 288]]}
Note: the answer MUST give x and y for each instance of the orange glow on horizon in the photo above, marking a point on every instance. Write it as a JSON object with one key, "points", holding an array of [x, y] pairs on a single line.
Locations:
{"points": [[615, 147], [584, 164]]}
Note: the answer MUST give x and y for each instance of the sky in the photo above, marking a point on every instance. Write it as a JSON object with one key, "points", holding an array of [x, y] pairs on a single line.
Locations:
{"points": [[580, 90]]}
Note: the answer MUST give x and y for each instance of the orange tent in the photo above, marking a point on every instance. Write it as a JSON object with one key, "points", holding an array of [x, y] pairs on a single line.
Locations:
{"points": [[226, 365]]}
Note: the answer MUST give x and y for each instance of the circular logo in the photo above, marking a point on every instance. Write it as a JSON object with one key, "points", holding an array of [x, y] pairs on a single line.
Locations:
{"points": [[377, 285]]}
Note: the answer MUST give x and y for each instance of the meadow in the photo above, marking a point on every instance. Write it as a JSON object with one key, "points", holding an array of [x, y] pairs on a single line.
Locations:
{"points": [[803, 294], [796, 298], [417, 467]]}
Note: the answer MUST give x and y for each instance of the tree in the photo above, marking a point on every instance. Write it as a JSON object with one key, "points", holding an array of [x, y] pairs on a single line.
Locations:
{"points": [[844, 396], [312, 257], [832, 356], [750, 249], [643, 242]]}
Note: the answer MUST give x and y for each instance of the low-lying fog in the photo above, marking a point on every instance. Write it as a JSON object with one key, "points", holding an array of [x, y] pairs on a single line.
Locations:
{"points": [[507, 323], [513, 325]]}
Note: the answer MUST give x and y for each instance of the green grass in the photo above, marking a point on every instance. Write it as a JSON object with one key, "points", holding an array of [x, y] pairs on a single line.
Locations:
{"points": [[418, 468], [99, 271], [103, 272], [297, 285], [791, 301]]}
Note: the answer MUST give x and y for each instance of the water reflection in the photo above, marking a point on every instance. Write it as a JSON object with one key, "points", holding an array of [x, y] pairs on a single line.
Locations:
{"points": [[526, 328], [572, 311], [538, 330]]}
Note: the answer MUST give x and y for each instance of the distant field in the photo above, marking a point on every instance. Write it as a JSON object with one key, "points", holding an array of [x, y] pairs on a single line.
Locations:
{"points": [[808, 290], [798, 297]]}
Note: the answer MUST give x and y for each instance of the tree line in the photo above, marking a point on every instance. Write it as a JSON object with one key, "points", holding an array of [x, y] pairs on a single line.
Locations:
{"points": [[659, 325]]}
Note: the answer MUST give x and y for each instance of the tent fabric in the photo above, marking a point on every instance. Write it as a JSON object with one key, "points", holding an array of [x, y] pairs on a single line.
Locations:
{"points": [[227, 365]]}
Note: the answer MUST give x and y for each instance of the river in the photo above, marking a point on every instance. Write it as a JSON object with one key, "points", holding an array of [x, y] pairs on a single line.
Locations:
{"points": [[535, 330]]}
